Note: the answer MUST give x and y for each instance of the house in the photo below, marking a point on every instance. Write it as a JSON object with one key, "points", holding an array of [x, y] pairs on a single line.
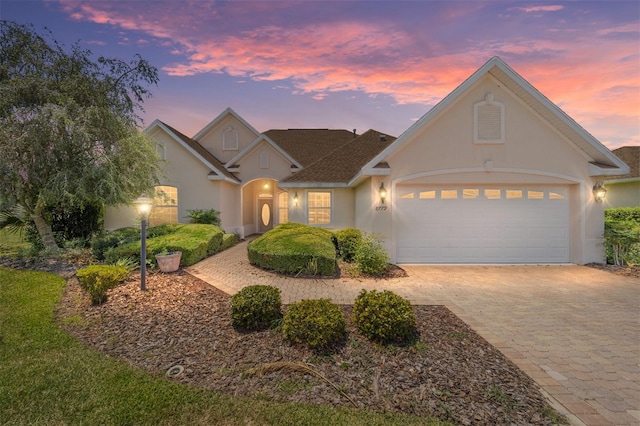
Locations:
{"points": [[624, 190], [494, 173]]}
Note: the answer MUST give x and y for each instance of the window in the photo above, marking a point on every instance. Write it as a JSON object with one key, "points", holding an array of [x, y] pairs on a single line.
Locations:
{"points": [[449, 194], [165, 206], [555, 196], [319, 208], [514, 193], [470, 193], [230, 139], [283, 207], [535, 195], [492, 194], [408, 195], [488, 121], [429, 195]]}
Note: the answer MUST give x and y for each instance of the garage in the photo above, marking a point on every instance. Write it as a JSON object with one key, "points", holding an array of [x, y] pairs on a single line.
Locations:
{"points": [[481, 224]]}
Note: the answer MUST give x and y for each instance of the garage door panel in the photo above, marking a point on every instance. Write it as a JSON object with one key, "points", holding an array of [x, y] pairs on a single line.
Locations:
{"points": [[496, 225]]}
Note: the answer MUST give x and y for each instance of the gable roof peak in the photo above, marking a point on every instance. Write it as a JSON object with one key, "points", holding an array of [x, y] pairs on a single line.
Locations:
{"points": [[499, 70], [227, 112]]}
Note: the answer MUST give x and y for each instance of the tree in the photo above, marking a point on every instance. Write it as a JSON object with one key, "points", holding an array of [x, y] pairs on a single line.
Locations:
{"points": [[69, 126]]}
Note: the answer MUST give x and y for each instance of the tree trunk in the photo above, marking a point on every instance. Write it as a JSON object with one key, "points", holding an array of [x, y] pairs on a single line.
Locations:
{"points": [[44, 229]]}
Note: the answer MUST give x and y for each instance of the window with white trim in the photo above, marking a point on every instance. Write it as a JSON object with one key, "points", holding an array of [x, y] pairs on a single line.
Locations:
{"points": [[319, 207], [165, 206], [283, 207], [488, 121]]}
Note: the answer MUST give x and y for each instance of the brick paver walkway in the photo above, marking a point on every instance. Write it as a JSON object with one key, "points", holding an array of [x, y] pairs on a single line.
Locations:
{"points": [[575, 330]]}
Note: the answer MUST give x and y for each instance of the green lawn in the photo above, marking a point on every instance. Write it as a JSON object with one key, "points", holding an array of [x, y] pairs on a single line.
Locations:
{"points": [[48, 377], [11, 243]]}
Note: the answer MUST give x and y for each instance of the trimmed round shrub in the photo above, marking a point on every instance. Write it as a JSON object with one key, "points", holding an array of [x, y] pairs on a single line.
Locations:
{"points": [[384, 317], [317, 323], [256, 307], [294, 248], [97, 279], [347, 241], [371, 257]]}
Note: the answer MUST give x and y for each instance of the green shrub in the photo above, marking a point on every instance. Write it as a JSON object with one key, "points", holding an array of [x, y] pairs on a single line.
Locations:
{"points": [[317, 323], [256, 307], [347, 242], [622, 235], [162, 229], [195, 241], [102, 243], [228, 241], [97, 279], [68, 223], [384, 317], [210, 217], [371, 257], [294, 248]]}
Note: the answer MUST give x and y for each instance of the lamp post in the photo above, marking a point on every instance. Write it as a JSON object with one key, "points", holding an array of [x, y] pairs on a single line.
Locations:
{"points": [[143, 206]]}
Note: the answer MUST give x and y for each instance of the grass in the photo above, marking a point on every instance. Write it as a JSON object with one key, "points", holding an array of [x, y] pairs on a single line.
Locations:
{"points": [[12, 243], [48, 377]]}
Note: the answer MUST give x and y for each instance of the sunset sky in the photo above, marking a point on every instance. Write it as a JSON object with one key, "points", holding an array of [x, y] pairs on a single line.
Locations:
{"points": [[358, 64]]}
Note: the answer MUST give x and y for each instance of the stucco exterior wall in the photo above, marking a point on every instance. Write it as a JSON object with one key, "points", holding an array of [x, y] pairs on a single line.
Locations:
{"points": [[622, 194], [277, 167], [212, 140], [120, 217], [443, 151], [343, 213], [195, 191]]}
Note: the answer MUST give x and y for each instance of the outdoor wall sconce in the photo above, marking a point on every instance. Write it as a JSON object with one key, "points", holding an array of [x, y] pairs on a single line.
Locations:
{"points": [[295, 199], [383, 193], [599, 191], [143, 206]]}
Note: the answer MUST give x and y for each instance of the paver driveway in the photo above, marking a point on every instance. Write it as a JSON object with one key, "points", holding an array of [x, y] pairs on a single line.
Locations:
{"points": [[575, 330]]}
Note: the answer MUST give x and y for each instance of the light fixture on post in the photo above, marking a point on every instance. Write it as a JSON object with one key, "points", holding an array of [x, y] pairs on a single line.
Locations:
{"points": [[143, 206], [383, 192], [295, 199], [599, 191]]}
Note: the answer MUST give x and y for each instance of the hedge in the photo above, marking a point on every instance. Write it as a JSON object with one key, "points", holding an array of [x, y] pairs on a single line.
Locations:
{"points": [[293, 248], [195, 241]]}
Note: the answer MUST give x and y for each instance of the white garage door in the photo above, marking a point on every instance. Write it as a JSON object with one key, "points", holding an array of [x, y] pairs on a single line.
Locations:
{"points": [[482, 224]]}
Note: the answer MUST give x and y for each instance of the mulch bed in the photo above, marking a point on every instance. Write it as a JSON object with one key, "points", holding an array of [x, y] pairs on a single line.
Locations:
{"points": [[180, 328]]}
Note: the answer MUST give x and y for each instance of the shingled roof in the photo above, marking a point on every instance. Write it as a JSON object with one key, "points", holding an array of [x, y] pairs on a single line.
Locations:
{"points": [[306, 146], [342, 164], [631, 157], [202, 151]]}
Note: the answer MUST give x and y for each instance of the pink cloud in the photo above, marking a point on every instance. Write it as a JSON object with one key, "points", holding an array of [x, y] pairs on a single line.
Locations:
{"points": [[535, 9], [583, 72]]}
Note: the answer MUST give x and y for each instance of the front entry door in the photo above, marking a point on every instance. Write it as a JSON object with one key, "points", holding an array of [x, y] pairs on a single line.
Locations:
{"points": [[265, 215]]}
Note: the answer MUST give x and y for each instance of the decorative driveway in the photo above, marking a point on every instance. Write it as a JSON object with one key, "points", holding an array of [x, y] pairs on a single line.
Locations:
{"points": [[575, 330]]}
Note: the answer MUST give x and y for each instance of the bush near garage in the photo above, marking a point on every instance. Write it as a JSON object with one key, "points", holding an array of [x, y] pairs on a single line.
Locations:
{"points": [[622, 235], [317, 323], [370, 256], [256, 307], [195, 241], [294, 248], [384, 317], [347, 242]]}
